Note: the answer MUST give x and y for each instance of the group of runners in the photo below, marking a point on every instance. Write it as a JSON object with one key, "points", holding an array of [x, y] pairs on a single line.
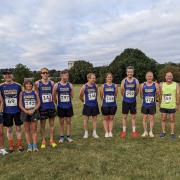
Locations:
{"points": [[44, 99]]}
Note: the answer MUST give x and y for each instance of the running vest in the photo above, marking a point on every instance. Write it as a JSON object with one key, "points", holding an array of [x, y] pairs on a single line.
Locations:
{"points": [[168, 95], [149, 95], [64, 95], [129, 91], [29, 100], [90, 93], [109, 98], [10, 94], [45, 94]]}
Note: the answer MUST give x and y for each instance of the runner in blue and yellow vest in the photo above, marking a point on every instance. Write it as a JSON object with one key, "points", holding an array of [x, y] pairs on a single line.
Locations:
{"points": [[149, 92], [63, 94], [29, 104], [44, 87], [88, 95], [108, 94], [129, 91], [169, 103], [10, 91]]}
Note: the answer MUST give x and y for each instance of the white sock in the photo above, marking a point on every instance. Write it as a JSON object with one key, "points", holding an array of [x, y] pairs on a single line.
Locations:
{"points": [[124, 128], [134, 128], [86, 131]]}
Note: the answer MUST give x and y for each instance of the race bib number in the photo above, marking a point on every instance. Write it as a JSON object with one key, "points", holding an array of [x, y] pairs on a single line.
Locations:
{"points": [[46, 98], [130, 94], [149, 99], [10, 102], [167, 98], [92, 96], [109, 99], [30, 104], [64, 98]]}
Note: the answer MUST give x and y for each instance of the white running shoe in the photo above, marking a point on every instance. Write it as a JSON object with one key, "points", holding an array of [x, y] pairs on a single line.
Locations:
{"points": [[95, 135], [69, 139], [151, 134], [3, 152], [145, 134], [106, 135], [110, 134], [85, 135]]}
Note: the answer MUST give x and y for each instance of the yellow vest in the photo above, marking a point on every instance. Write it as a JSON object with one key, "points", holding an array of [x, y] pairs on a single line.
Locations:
{"points": [[168, 95]]}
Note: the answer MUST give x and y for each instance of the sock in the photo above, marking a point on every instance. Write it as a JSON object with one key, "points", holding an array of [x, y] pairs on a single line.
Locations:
{"points": [[134, 129], [94, 131], [124, 128]]}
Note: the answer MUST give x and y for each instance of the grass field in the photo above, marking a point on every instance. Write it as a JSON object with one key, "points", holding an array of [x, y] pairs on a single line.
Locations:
{"points": [[99, 158]]}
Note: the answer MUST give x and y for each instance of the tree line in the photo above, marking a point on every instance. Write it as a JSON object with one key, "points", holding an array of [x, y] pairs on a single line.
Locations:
{"points": [[129, 57]]}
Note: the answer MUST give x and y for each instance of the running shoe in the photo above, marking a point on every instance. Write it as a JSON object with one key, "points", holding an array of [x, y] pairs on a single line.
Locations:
{"points": [[53, 144], [110, 134], [135, 134], [3, 152], [145, 134], [61, 139], [123, 134], [69, 139], [35, 148], [29, 148], [173, 136], [106, 135], [162, 134], [151, 134]]}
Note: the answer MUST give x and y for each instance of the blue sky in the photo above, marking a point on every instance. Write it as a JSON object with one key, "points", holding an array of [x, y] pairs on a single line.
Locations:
{"points": [[51, 32]]}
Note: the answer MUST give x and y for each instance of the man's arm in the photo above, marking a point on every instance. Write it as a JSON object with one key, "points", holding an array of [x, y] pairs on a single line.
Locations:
{"points": [[1, 104], [81, 93], [72, 90], [140, 90], [122, 87], [137, 87], [102, 91], [55, 93], [157, 92], [36, 86]]}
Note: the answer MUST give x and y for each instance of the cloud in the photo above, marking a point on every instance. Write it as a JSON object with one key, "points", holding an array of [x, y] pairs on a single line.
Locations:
{"points": [[49, 33]]}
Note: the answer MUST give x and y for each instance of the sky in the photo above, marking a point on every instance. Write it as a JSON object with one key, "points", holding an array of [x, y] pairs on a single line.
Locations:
{"points": [[49, 33]]}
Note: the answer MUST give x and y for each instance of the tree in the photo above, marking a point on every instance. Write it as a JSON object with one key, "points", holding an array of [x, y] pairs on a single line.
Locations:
{"points": [[79, 72], [136, 58], [20, 72], [101, 73], [169, 67]]}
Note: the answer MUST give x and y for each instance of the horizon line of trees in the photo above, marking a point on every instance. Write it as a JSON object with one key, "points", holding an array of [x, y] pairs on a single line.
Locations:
{"points": [[129, 57]]}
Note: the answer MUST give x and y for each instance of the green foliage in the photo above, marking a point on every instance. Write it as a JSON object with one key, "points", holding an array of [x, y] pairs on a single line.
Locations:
{"points": [[1, 78], [79, 72], [101, 73], [136, 58], [20, 72]]}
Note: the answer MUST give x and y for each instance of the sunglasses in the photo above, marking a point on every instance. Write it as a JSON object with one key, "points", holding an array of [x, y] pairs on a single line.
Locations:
{"points": [[44, 73]]}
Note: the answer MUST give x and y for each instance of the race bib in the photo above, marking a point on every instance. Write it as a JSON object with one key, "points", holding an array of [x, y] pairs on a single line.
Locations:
{"points": [[109, 99], [30, 104], [46, 98], [130, 94], [149, 99], [64, 98], [167, 98], [92, 96], [10, 102]]}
